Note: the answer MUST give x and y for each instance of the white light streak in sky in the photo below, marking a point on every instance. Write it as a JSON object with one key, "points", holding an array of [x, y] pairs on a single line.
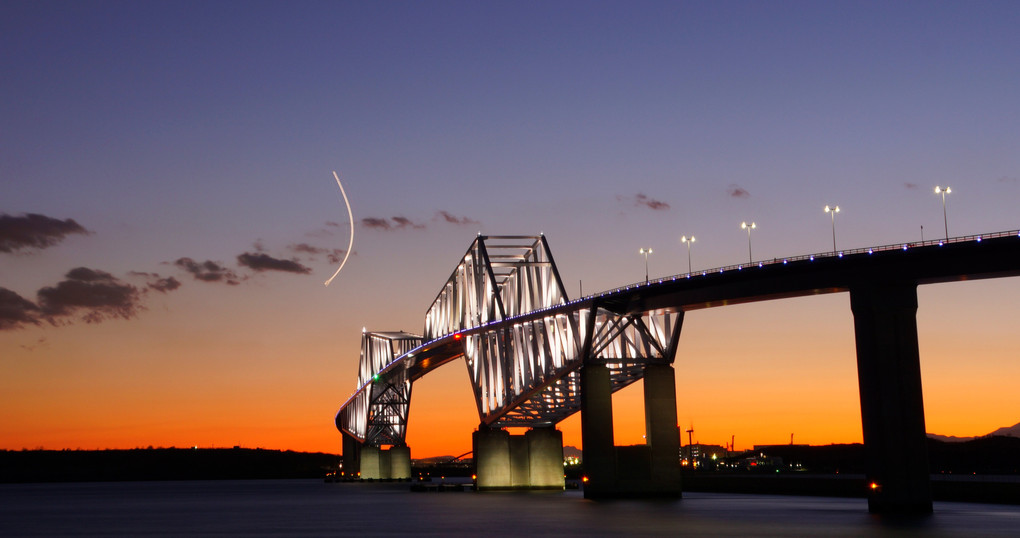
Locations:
{"points": [[350, 215]]}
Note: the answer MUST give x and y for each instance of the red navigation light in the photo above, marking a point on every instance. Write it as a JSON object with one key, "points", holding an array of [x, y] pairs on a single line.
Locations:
{"points": [[584, 479], [457, 336]]}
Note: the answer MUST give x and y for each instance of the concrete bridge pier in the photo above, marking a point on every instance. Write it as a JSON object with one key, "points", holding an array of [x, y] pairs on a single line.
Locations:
{"points": [[649, 470], [530, 461], [378, 463], [892, 407], [351, 456]]}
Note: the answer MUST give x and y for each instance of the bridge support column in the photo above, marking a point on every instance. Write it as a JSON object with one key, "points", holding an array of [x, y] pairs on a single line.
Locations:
{"points": [[661, 433], [371, 463], [400, 462], [892, 407], [385, 464], [492, 458], [530, 461], [351, 456], [597, 450], [649, 470], [545, 458]]}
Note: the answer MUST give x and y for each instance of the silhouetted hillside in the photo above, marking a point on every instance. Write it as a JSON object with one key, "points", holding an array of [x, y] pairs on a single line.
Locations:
{"points": [[160, 464]]}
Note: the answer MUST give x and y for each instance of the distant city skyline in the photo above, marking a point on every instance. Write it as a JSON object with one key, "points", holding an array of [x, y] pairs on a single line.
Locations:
{"points": [[169, 213]]}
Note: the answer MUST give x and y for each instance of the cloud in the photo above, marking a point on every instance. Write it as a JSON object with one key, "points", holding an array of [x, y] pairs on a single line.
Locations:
{"points": [[34, 231], [1007, 179], [260, 261], [38, 343], [460, 221], [398, 223], [736, 191], [910, 186], [92, 295], [157, 282], [333, 255], [208, 271], [643, 200], [377, 223], [165, 284], [651, 203], [307, 249], [404, 222], [16, 311]]}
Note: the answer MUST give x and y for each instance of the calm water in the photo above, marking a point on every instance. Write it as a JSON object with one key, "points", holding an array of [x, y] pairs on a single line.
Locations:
{"points": [[313, 508]]}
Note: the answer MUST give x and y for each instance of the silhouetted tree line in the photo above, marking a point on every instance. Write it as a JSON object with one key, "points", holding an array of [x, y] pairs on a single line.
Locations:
{"points": [[161, 464]]}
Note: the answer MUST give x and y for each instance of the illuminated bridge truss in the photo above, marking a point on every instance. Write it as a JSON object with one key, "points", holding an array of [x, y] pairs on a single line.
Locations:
{"points": [[499, 277], [527, 373], [377, 413], [523, 345], [506, 312]]}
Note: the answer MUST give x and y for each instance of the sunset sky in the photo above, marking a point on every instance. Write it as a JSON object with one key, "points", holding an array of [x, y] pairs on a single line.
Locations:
{"points": [[168, 213]]}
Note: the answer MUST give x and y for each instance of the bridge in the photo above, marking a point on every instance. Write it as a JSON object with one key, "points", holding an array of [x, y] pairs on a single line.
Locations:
{"points": [[535, 357]]}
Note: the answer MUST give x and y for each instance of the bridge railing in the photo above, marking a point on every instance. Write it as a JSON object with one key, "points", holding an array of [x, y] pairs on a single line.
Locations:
{"points": [[809, 257]]}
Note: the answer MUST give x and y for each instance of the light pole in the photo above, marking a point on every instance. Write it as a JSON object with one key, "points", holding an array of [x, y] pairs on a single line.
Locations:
{"points": [[688, 240], [832, 211], [646, 252], [944, 192], [748, 227]]}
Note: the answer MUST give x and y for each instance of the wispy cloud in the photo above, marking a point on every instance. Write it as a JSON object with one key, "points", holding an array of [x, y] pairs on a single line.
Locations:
{"points": [[736, 191], [40, 342], [16, 311], [643, 200], [651, 203], [156, 282], [90, 295], [1008, 179], [452, 219], [376, 223], [208, 271], [85, 294], [34, 231], [394, 223], [333, 255], [260, 261], [404, 222]]}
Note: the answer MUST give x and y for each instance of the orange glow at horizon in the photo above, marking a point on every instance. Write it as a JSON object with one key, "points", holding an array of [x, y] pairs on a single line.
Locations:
{"points": [[759, 372]]}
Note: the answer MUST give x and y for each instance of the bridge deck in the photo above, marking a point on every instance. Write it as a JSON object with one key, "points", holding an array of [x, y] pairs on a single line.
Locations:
{"points": [[962, 258]]}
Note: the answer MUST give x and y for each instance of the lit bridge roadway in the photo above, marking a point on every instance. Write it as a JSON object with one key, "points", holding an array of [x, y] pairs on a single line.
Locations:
{"points": [[536, 357]]}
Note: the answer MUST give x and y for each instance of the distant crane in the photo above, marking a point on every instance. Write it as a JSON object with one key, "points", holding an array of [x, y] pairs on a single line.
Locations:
{"points": [[690, 446]]}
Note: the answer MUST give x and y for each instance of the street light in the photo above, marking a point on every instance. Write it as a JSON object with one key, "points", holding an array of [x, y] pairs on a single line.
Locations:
{"points": [[646, 252], [748, 227], [944, 192], [688, 240], [832, 211]]}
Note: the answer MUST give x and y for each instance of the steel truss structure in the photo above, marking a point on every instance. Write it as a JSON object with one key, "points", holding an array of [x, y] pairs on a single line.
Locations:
{"points": [[522, 357], [527, 372], [500, 277], [505, 310], [377, 413]]}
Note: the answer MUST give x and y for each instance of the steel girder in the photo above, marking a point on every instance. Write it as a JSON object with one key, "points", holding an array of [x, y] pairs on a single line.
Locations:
{"points": [[526, 373]]}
